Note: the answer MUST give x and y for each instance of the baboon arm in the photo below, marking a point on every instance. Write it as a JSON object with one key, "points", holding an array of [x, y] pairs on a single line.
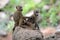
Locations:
{"points": [[20, 22]]}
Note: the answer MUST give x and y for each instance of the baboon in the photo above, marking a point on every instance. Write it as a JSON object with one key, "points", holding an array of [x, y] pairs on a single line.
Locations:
{"points": [[17, 15]]}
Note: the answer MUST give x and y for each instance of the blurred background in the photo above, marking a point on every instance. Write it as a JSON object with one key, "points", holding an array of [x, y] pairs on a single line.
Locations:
{"points": [[49, 11]]}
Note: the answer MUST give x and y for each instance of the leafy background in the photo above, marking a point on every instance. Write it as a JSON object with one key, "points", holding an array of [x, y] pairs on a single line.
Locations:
{"points": [[49, 17]]}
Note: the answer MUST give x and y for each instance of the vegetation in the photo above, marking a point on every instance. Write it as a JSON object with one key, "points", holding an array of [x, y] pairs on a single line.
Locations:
{"points": [[50, 17]]}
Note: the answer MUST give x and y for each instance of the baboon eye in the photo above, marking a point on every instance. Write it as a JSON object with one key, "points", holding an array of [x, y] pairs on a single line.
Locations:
{"points": [[37, 12]]}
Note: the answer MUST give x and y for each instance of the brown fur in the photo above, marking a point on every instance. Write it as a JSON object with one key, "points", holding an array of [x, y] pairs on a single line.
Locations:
{"points": [[33, 20], [17, 16], [21, 21]]}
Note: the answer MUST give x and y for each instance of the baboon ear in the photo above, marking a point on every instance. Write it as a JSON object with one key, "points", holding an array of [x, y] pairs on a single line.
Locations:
{"points": [[17, 7]]}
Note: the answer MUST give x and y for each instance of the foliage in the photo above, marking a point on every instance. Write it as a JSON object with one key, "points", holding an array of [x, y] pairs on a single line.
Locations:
{"points": [[11, 5], [30, 4], [10, 26]]}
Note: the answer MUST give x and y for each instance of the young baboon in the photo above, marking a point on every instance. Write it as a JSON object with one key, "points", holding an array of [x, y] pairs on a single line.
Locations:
{"points": [[20, 20], [35, 18], [32, 20], [17, 15]]}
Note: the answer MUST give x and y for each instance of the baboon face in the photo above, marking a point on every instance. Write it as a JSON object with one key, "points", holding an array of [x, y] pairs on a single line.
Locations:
{"points": [[36, 12], [19, 8]]}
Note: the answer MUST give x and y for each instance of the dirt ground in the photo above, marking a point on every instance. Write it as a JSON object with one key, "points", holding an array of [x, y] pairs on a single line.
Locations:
{"points": [[9, 37]]}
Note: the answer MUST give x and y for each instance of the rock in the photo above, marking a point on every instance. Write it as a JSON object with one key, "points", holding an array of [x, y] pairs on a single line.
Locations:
{"points": [[3, 3], [51, 38], [26, 34], [2, 15], [57, 33], [54, 36], [48, 31], [58, 27], [3, 33], [8, 37]]}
